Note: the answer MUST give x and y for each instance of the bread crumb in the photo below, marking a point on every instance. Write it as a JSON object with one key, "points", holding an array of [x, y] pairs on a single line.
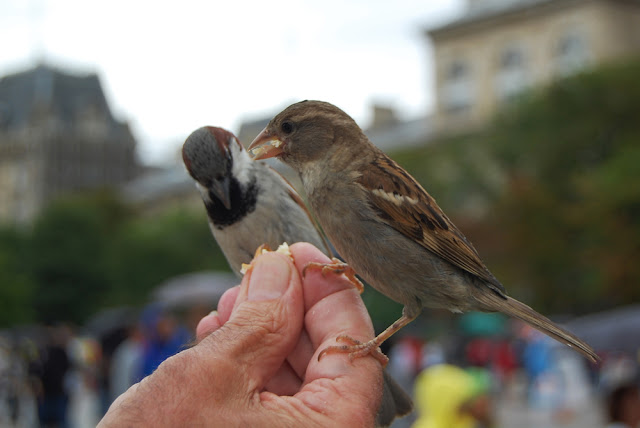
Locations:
{"points": [[282, 249]]}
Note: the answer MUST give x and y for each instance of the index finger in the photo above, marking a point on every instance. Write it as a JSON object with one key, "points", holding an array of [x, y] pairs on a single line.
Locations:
{"points": [[316, 285], [332, 304], [334, 307]]}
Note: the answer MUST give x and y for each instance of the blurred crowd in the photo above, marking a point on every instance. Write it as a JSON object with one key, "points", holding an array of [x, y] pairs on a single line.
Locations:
{"points": [[514, 377], [63, 376]]}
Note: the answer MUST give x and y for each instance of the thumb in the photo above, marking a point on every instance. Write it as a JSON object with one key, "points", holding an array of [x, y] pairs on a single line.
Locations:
{"points": [[266, 321]]}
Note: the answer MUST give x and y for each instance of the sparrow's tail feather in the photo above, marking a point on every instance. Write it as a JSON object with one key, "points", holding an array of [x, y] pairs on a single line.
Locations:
{"points": [[395, 402], [514, 308]]}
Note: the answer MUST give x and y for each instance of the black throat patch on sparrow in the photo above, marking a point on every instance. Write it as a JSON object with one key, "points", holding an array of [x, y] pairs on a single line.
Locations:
{"points": [[243, 202]]}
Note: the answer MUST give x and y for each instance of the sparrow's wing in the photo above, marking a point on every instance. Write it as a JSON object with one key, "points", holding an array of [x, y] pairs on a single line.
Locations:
{"points": [[291, 191], [404, 205]]}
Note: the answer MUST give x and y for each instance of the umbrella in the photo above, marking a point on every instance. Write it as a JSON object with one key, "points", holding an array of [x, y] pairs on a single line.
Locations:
{"points": [[110, 319], [614, 330], [194, 288]]}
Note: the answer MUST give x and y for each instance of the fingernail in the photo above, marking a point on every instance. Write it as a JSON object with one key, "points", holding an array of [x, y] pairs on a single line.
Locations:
{"points": [[269, 278]]}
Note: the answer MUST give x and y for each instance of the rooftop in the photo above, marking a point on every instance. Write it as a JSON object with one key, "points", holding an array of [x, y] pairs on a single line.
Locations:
{"points": [[483, 12], [66, 96]]}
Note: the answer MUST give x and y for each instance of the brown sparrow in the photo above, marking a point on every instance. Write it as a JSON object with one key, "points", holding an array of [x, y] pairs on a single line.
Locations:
{"points": [[249, 204], [385, 225]]}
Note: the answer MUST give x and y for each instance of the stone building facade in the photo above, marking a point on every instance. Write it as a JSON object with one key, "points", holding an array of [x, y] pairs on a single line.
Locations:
{"points": [[57, 135], [498, 48]]}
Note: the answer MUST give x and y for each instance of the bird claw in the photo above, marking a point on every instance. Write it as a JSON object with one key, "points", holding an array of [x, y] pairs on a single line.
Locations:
{"points": [[262, 249], [337, 267], [356, 349], [245, 268]]}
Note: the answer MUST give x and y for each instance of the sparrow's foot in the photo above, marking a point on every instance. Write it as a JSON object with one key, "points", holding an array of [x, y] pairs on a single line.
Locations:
{"points": [[337, 267], [262, 249], [357, 349]]}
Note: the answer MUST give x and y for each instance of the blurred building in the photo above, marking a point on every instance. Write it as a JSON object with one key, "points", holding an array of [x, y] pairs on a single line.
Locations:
{"points": [[389, 132], [162, 189], [249, 129], [57, 135], [498, 48]]}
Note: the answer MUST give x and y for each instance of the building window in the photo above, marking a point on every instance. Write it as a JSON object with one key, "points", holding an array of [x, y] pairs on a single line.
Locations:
{"points": [[571, 53], [457, 91], [512, 77]]}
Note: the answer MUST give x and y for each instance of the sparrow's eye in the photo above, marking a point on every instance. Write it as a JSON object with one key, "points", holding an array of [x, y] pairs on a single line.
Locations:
{"points": [[287, 127]]}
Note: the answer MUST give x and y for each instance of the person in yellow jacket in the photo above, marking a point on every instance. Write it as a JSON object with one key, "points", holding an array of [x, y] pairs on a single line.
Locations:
{"points": [[447, 396]]}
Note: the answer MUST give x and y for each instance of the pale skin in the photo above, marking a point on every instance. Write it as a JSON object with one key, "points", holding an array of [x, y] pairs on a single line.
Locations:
{"points": [[256, 363]]}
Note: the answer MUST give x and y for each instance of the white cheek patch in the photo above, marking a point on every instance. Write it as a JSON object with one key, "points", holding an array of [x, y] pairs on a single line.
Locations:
{"points": [[241, 164], [394, 198], [204, 192]]}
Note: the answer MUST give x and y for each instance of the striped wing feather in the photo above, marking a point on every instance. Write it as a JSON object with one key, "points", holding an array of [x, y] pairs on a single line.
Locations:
{"points": [[404, 205]]}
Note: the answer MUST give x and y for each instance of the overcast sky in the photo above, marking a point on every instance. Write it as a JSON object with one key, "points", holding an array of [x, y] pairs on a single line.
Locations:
{"points": [[171, 67]]}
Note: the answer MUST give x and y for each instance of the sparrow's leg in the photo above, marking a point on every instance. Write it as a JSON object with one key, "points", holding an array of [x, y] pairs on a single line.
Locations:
{"points": [[338, 267], [356, 349]]}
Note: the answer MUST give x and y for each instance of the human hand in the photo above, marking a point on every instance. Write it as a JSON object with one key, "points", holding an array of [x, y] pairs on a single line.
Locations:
{"points": [[256, 363]]}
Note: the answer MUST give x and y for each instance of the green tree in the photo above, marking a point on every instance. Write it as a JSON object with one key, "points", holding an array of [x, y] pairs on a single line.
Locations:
{"points": [[571, 209], [89, 251], [67, 253], [16, 284], [151, 250]]}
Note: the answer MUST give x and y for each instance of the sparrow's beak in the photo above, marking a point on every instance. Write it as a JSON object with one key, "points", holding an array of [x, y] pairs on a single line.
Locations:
{"points": [[220, 188], [265, 146]]}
